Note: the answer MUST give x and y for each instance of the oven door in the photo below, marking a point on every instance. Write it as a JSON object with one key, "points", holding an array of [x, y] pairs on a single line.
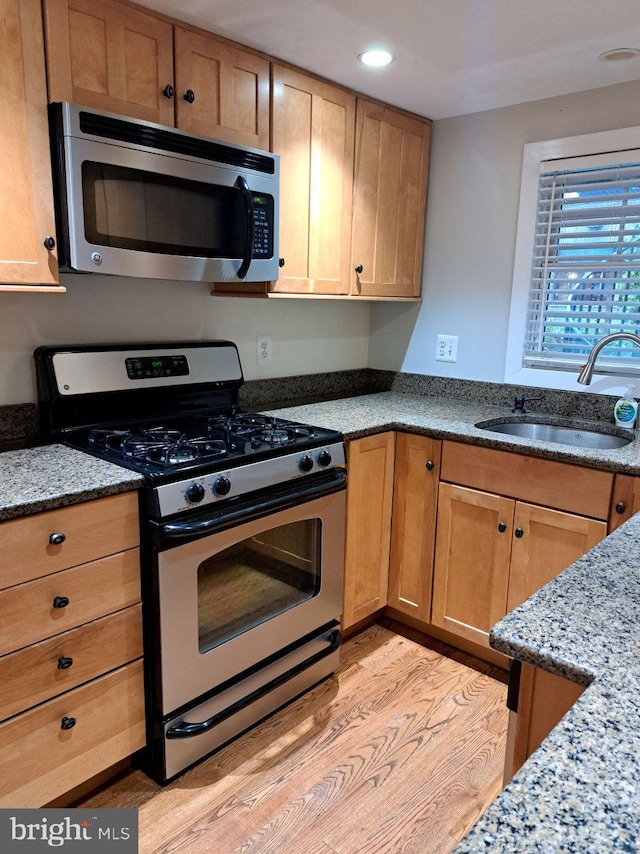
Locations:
{"points": [[269, 574]]}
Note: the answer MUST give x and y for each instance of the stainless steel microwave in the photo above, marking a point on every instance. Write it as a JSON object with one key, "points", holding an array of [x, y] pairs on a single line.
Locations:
{"points": [[139, 199]]}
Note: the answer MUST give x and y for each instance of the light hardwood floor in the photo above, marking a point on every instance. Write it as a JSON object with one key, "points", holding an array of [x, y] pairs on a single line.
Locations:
{"points": [[401, 751]]}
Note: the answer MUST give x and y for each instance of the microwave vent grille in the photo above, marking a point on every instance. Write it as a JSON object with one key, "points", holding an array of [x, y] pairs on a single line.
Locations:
{"points": [[167, 140]]}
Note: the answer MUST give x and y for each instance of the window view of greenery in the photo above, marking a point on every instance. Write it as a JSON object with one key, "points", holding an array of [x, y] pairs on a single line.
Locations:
{"points": [[586, 266]]}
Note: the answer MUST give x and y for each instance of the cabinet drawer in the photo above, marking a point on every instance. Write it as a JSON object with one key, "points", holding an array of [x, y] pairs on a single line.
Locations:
{"points": [[94, 590], [546, 482], [91, 530], [39, 760], [44, 670]]}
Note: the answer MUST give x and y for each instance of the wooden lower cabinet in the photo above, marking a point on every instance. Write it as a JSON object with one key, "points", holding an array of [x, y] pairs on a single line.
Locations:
{"points": [[370, 463], [56, 746], [544, 699], [493, 552], [625, 502], [473, 552], [413, 529], [72, 702]]}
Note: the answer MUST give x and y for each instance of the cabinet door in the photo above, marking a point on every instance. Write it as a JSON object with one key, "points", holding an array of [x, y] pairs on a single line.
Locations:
{"points": [[369, 496], [313, 132], [413, 529], [26, 195], [230, 89], [625, 501], [546, 542], [390, 197], [473, 550], [110, 56]]}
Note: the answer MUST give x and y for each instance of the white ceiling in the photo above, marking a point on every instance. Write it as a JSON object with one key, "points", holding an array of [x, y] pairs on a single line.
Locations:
{"points": [[452, 56]]}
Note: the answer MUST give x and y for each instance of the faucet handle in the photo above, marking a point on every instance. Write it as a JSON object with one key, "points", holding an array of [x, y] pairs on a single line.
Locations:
{"points": [[519, 402]]}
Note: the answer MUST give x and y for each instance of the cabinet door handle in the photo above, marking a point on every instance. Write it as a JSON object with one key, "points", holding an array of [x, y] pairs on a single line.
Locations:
{"points": [[502, 527], [280, 262], [49, 242], [61, 602], [67, 723], [519, 532], [57, 539], [620, 507], [430, 465], [168, 91], [359, 269], [189, 96], [64, 663]]}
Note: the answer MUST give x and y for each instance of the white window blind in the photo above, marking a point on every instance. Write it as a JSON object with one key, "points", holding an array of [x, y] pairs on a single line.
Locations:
{"points": [[585, 277]]}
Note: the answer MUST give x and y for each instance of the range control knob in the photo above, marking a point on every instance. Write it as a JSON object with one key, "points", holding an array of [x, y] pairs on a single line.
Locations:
{"points": [[324, 458], [305, 463], [195, 493], [222, 485]]}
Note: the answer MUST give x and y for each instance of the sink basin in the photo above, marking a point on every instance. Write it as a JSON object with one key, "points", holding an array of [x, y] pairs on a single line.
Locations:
{"points": [[566, 432]]}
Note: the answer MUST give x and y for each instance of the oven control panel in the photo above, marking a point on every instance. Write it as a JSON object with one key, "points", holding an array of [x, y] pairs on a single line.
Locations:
{"points": [[144, 367], [199, 491]]}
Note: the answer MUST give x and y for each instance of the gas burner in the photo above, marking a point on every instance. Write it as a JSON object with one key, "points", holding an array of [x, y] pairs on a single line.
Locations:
{"points": [[272, 436], [173, 454]]}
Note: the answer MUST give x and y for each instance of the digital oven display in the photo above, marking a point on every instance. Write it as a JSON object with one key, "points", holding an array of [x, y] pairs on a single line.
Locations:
{"points": [[146, 367]]}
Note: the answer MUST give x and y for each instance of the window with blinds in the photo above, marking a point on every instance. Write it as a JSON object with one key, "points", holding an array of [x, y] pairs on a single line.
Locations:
{"points": [[585, 277]]}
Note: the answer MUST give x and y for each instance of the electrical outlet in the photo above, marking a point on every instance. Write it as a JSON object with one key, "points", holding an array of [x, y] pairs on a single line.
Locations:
{"points": [[263, 349], [447, 348]]}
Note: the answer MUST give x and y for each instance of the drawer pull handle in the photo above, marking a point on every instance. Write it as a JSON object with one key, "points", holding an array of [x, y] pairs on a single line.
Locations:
{"points": [[64, 663], [430, 465], [57, 539], [502, 527], [67, 723], [61, 602], [620, 507]]}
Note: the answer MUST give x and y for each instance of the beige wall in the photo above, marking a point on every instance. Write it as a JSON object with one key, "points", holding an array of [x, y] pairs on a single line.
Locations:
{"points": [[476, 164], [307, 337]]}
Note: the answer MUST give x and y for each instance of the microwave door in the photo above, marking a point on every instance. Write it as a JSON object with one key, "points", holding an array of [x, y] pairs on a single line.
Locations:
{"points": [[137, 213]]}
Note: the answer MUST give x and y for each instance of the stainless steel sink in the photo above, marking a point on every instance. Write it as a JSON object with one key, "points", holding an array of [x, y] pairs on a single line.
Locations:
{"points": [[560, 431]]}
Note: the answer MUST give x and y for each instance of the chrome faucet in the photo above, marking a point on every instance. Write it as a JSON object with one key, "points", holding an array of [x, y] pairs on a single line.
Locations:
{"points": [[587, 371]]}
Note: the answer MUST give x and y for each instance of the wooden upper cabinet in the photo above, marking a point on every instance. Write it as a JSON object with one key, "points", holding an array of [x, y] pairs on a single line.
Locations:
{"points": [[109, 56], [230, 89], [313, 131], [390, 197], [26, 195]]}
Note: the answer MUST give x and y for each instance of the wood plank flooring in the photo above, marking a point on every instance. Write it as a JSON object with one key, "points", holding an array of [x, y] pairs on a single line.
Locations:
{"points": [[401, 751]]}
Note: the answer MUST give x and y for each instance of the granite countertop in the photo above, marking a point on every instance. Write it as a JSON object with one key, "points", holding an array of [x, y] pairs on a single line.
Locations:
{"points": [[580, 791], [448, 418], [42, 478]]}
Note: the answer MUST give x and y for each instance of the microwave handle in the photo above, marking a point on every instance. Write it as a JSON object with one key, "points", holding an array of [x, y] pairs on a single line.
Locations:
{"points": [[250, 223]]}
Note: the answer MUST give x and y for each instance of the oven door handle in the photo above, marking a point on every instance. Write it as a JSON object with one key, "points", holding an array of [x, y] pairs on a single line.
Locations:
{"points": [[250, 509], [250, 225], [189, 730]]}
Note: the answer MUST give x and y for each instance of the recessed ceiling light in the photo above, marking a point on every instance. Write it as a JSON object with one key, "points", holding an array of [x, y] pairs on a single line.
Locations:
{"points": [[620, 54], [376, 58]]}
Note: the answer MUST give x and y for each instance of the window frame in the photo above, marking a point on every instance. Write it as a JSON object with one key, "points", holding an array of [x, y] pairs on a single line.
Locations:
{"points": [[619, 140]]}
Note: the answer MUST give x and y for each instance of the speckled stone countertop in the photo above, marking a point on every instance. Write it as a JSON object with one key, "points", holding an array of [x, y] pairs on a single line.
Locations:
{"points": [[580, 791], [448, 418], [42, 478]]}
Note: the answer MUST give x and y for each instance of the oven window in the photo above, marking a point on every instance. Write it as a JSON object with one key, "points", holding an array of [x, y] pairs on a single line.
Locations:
{"points": [[257, 579]]}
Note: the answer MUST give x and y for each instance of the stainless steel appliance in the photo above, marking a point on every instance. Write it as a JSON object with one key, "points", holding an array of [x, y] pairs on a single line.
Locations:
{"points": [[242, 529], [139, 199]]}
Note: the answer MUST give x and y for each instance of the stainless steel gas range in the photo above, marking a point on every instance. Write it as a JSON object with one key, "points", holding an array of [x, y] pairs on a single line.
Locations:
{"points": [[242, 521]]}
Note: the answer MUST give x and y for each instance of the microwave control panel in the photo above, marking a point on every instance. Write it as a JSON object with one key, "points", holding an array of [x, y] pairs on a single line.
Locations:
{"points": [[263, 226]]}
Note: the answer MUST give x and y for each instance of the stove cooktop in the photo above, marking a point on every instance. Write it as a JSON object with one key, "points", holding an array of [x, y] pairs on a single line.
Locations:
{"points": [[188, 445]]}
